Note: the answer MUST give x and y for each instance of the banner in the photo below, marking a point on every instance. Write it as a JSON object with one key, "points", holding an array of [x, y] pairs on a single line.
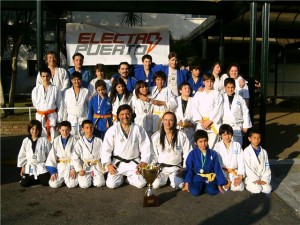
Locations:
{"points": [[112, 45]]}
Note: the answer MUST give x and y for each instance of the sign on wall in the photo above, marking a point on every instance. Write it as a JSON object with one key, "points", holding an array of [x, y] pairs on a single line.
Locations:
{"points": [[112, 45]]}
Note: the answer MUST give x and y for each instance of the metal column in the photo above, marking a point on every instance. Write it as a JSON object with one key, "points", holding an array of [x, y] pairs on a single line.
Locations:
{"points": [[221, 42], [264, 67], [39, 34]]}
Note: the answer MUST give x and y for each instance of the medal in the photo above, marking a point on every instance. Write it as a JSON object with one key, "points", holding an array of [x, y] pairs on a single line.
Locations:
{"points": [[147, 80], [98, 111], [201, 171], [92, 157], [194, 91], [122, 140], [145, 110], [34, 157]]}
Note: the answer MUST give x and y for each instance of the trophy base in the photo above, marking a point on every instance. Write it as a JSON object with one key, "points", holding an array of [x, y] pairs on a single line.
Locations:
{"points": [[150, 201]]}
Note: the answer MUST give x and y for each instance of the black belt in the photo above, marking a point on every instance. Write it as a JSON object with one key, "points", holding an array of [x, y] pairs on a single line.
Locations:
{"points": [[169, 165], [124, 160]]}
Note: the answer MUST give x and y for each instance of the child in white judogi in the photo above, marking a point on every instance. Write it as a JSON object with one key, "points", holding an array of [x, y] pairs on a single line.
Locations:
{"points": [[86, 158], [171, 154], [257, 167], [76, 103], [231, 159], [163, 99], [47, 100], [184, 112], [59, 159], [100, 75], [208, 106], [33, 155], [236, 112]]}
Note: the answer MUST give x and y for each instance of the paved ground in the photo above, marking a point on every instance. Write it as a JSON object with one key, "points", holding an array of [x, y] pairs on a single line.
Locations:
{"points": [[43, 205]]}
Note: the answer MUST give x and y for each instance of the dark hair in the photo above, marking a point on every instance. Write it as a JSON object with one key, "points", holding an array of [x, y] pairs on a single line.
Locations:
{"points": [[163, 132], [233, 65], [100, 83], [113, 90], [208, 76], [172, 54], [51, 53], [185, 83], [99, 67], [194, 67], [147, 57], [159, 74], [229, 80], [123, 63], [36, 123], [124, 107], [216, 63], [254, 131], [139, 84], [65, 124], [45, 69], [76, 74], [225, 128], [86, 122], [77, 54], [200, 134]]}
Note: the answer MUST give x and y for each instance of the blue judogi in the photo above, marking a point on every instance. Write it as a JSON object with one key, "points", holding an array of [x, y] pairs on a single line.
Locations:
{"points": [[100, 107], [139, 73], [131, 81], [198, 184], [86, 76], [195, 86], [182, 75]]}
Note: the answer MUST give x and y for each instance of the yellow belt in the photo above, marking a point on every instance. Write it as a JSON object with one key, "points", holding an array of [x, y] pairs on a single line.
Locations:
{"points": [[210, 176], [212, 126], [93, 163], [64, 160], [229, 171]]}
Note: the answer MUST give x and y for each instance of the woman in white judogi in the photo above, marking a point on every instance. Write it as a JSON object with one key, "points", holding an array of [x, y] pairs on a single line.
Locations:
{"points": [[257, 167], [208, 106], [76, 104], [236, 112], [59, 76], [47, 100], [170, 156], [60, 159], [126, 148], [231, 159], [86, 157], [162, 98], [141, 105], [184, 112]]}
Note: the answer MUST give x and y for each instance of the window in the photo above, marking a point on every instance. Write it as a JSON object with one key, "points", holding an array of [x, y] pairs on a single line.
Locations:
{"points": [[32, 68]]}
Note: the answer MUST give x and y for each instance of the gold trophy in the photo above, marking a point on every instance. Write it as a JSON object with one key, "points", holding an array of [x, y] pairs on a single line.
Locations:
{"points": [[150, 173]]}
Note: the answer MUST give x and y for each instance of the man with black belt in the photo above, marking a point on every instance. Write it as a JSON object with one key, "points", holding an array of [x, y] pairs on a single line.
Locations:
{"points": [[126, 148]]}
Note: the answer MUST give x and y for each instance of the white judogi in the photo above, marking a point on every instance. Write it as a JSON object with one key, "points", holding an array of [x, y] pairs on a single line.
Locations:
{"points": [[257, 168], [117, 103], [208, 105], [34, 162], [166, 95], [143, 111], [172, 81], [87, 157], [60, 158], [219, 83], [231, 159], [93, 91], [45, 101], [170, 156], [237, 116], [186, 117], [76, 108], [135, 147], [60, 79], [244, 91]]}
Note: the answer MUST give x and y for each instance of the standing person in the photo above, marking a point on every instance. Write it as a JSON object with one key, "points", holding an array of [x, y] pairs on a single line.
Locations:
{"points": [[142, 107], [126, 149], [33, 155], [231, 159], [257, 167], [236, 112], [99, 75], [208, 106], [87, 158], [162, 99], [219, 78], [47, 100], [119, 95], [203, 170], [195, 80], [78, 66], [76, 103], [174, 75], [184, 111], [100, 110], [123, 70], [171, 148], [59, 76], [59, 159]]}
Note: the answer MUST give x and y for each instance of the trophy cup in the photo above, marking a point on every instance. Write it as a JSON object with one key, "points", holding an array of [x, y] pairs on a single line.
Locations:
{"points": [[150, 173]]}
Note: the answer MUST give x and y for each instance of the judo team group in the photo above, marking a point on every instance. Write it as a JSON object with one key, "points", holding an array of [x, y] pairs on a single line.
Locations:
{"points": [[96, 132]]}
